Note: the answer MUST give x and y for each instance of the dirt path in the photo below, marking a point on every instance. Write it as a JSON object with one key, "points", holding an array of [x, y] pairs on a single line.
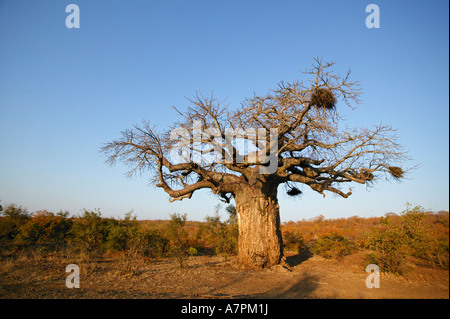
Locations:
{"points": [[214, 277]]}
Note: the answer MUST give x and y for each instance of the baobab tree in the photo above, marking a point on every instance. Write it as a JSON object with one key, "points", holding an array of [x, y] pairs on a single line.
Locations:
{"points": [[289, 136]]}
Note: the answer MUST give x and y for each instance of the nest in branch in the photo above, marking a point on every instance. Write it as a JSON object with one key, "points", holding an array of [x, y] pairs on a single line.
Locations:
{"points": [[368, 176], [294, 191], [396, 172], [323, 98]]}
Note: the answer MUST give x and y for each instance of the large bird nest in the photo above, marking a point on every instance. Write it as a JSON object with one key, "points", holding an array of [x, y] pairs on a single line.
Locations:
{"points": [[323, 98], [396, 172]]}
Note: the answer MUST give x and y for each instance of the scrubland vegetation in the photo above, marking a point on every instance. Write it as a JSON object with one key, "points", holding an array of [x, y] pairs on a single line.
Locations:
{"points": [[393, 242]]}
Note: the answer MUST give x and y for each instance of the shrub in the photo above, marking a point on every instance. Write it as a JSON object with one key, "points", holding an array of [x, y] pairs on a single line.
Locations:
{"points": [[13, 218], [158, 243], [440, 254], [332, 246], [417, 235], [90, 231], [410, 236], [192, 251], [132, 239], [178, 238], [124, 235], [389, 249], [293, 240], [44, 228], [223, 236], [420, 239]]}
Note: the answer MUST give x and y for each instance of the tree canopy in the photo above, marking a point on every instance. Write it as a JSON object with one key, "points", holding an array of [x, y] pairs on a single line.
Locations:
{"points": [[291, 135]]}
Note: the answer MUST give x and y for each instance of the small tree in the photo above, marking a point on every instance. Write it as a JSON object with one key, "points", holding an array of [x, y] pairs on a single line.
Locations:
{"points": [[178, 238]]}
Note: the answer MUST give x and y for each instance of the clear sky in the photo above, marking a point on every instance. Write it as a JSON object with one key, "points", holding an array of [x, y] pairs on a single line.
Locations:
{"points": [[64, 92]]}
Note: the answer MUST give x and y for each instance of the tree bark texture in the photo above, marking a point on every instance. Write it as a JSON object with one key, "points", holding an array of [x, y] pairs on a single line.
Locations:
{"points": [[260, 242]]}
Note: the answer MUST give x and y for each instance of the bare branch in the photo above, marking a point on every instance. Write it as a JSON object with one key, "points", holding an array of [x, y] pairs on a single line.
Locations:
{"points": [[312, 147]]}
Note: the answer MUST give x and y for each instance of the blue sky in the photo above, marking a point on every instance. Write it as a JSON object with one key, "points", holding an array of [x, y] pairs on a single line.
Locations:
{"points": [[64, 92]]}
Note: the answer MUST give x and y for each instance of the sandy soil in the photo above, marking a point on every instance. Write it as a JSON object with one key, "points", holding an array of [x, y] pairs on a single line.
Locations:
{"points": [[214, 277]]}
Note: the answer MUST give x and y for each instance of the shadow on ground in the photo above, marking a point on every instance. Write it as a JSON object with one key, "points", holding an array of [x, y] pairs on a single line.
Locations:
{"points": [[296, 260], [300, 289]]}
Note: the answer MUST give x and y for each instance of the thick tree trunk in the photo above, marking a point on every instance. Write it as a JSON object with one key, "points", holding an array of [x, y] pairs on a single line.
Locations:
{"points": [[260, 242]]}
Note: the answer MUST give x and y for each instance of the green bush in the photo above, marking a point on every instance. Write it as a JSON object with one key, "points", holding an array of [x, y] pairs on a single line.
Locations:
{"points": [[223, 236], [132, 239], [158, 243], [44, 229], [13, 217], [389, 247], [192, 251], [332, 246], [178, 238], [417, 234], [124, 236], [440, 254], [90, 231], [410, 236]]}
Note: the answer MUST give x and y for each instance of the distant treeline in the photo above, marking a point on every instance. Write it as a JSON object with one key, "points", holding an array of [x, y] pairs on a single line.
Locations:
{"points": [[392, 242]]}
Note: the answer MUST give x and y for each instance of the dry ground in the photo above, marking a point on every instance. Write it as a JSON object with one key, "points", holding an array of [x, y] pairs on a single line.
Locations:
{"points": [[212, 277]]}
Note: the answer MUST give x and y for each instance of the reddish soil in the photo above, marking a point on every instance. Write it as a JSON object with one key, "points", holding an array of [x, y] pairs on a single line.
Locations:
{"points": [[213, 277]]}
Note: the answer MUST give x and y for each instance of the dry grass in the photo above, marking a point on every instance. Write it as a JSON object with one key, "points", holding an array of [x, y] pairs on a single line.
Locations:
{"points": [[209, 277]]}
